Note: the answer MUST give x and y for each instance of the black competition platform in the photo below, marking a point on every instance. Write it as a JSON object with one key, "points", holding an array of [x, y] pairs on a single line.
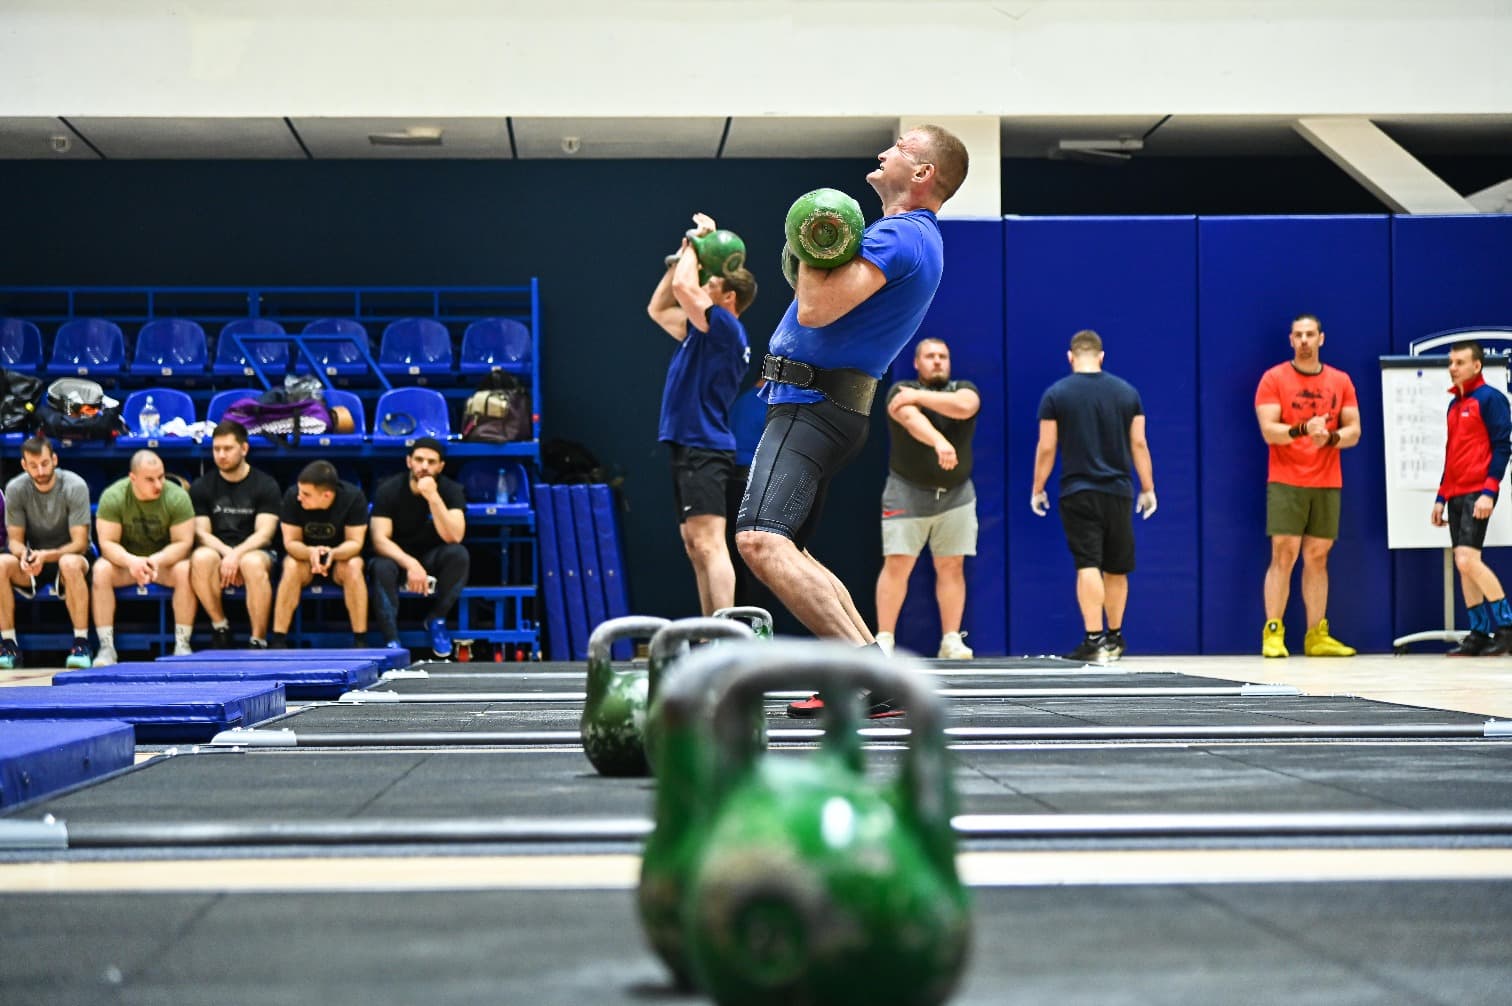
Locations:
{"points": [[161, 713], [385, 657], [40, 757], [316, 677], [1436, 942]]}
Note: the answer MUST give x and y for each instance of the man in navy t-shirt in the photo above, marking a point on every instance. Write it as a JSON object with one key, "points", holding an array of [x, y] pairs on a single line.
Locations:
{"points": [[705, 376], [844, 327]]}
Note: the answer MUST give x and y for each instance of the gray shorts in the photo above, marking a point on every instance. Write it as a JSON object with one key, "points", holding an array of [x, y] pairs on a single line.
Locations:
{"points": [[913, 517]]}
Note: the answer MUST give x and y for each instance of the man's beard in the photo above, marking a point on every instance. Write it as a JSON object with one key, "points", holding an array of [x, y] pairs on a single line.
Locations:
{"points": [[936, 383]]}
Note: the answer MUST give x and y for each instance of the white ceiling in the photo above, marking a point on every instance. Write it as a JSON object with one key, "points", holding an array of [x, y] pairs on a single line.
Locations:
{"points": [[707, 137]]}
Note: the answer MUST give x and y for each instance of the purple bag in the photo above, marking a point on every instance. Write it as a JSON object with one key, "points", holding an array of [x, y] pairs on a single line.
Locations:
{"points": [[274, 416]]}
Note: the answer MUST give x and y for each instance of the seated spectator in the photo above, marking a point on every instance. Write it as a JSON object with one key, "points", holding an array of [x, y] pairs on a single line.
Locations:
{"points": [[47, 524], [236, 511], [418, 521], [146, 529], [324, 522]]}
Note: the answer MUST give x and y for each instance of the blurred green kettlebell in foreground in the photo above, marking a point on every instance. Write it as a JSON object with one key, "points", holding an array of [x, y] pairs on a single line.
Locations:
{"points": [[669, 647], [614, 711], [824, 228], [759, 619]]}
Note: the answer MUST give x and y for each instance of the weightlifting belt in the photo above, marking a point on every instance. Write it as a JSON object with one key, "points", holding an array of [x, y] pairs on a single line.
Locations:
{"points": [[852, 390]]}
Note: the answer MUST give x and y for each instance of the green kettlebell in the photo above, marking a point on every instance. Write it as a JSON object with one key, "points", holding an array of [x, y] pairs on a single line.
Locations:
{"points": [[790, 265], [614, 712], [668, 648], [719, 253], [815, 884], [824, 228], [759, 619]]}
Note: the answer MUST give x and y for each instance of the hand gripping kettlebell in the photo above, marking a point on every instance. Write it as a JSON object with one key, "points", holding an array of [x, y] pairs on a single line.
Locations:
{"points": [[668, 649], [824, 227], [759, 619], [814, 884], [614, 712]]}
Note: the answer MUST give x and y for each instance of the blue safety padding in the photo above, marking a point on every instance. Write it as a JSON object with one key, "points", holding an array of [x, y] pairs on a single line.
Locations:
{"points": [[587, 542], [317, 679], [1133, 281], [42, 757], [968, 314], [385, 658], [572, 578], [558, 642], [1256, 274], [611, 560], [162, 713], [1446, 273]]}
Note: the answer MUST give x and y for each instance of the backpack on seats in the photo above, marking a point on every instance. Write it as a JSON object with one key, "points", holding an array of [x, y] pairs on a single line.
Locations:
{"points": [[498, 412], [76, 408]]}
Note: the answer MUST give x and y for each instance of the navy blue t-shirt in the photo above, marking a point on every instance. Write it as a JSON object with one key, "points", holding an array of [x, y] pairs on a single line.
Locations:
{"points": [[748, 421], [907, 248], [702, 383], [1092, 413]]}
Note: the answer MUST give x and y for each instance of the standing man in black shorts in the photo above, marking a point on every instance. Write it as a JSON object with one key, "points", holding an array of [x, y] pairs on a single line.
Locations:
{"points": [[1099, 423], [839, 335], [929, 498], [1475, 459], [702, 382]]}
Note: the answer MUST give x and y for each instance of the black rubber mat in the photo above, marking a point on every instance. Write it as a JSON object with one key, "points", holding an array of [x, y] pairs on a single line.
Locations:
{"points": [[1322, 944], [448, 666], [294, 785]]}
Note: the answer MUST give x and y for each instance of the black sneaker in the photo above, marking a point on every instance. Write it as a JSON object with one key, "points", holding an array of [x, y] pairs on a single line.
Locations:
{"points": [[278, 642], [220, 639], [876, 708], [1091, 651], [1475, 644], [1113, 643]]}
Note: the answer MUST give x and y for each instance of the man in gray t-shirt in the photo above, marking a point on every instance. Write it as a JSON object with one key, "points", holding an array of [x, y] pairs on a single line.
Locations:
{"points": [[47, 518]]}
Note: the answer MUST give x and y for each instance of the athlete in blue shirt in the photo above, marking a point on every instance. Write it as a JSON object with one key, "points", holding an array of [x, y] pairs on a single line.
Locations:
{"points": [[839, 335], [705, 376]]}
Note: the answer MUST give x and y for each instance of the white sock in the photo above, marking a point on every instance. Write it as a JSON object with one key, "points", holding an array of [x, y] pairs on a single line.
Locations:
{"points": [[181, 633], [8, 634], [224, 623], [107, 636]]}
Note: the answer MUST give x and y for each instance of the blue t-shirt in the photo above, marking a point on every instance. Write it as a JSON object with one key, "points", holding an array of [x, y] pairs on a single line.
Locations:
{"points": [[748, 421], [702, 382], [908, 249], [1092, 413]]}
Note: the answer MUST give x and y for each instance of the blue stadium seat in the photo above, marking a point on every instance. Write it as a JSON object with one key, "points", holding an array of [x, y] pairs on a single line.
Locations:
{"points": [[339, 358], [415, 347], [170, 403], [491, 343], [221, 399], [169, 348], [273, 357], [335, 397], [88, 347], [20, 345], [404, 414]]}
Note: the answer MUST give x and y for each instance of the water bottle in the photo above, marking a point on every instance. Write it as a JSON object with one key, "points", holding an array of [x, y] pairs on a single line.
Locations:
{"points": [[501, 494], [149, 418]]}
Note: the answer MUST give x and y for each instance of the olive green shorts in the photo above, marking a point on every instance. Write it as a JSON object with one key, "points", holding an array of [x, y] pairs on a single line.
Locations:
{"points": [[1301, 510]]}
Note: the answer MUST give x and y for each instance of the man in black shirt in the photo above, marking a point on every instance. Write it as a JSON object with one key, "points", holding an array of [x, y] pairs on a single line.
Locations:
{"points": [[236, 511], [324, 522], [418, 521], [929, 498]]}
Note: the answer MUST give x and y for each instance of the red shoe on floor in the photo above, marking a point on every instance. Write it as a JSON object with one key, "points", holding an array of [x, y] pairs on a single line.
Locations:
{"points": [[876, 709]]}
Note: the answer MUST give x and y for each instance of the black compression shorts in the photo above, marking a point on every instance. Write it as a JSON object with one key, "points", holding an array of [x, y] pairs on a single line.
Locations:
{"points": [[801, 449]]}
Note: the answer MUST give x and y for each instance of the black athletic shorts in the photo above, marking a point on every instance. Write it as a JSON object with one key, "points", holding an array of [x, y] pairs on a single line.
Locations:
{"points": [[801, 449], [1099, 530], [1464, 529], [699, 476]]}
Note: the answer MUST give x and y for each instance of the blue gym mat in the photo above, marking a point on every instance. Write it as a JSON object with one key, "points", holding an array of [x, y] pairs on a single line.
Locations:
{"points": [[42, 757], [387, 659], [162, 713], [319, 678]]}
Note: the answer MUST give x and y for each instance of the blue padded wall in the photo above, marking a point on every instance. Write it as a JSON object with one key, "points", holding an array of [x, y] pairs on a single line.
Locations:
{"points": [[1447, 272], [1133, 280], [1255, 275], [968, 314]]}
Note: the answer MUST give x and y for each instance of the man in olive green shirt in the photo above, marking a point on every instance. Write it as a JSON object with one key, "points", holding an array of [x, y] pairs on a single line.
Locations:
{"points": [[145, 527]]}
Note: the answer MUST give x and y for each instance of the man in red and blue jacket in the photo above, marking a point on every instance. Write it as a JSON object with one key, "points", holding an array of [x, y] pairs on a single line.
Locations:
{"points": [[1475, 458]]}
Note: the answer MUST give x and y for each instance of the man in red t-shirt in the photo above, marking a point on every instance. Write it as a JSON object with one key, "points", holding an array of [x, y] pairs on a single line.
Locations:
{"points": [[1308, 413]]}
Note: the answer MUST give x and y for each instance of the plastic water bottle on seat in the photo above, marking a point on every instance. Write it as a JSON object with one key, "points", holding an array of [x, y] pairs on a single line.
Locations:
{"points": [[501, 493], [149, 420]]}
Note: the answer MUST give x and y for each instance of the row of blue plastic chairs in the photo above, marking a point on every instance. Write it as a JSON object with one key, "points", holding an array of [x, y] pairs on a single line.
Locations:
{"points": [[178, 347], [400, 414]]}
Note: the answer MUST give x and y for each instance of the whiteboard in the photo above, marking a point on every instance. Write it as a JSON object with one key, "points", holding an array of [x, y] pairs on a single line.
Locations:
{"points": [[1414, 403]]}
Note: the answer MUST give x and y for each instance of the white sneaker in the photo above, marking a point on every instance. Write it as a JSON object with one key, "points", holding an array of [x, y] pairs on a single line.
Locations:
{"points": [[105, 657], [885, 641], [181, 648], [951, 647]]}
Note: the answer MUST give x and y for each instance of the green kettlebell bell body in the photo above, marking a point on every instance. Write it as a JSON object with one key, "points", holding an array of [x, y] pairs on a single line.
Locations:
{"points": [[613, 724], [668, 647], [824, 228], [790, 265], [720, 253]]}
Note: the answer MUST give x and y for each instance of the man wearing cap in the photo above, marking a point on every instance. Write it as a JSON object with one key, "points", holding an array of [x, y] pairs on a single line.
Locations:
{"points": [[417, 523]]}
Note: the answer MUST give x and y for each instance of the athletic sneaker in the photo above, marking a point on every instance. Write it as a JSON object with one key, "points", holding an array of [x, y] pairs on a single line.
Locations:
{"points": [[1091, 651], [1478, 644], [79, 656], [886, 643], [876, 708], [1113, 644], [106, 657], [220, 639], [951, 647], [181, 648], [257, 644], [10, 654], [1319, 643], [440, 639], [1273, 640]]}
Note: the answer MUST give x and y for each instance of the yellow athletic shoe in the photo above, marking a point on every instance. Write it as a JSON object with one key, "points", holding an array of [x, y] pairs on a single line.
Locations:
{"points": [[1320, 644], [1273, 640]]}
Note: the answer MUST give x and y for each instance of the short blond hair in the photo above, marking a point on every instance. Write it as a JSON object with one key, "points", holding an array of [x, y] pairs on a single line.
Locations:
{"points": [[948, 154]]}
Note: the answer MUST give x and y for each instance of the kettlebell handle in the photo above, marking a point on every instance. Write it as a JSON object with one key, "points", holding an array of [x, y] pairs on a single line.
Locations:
{"points": [[759, 617], [673, 637], [626, 627]]}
